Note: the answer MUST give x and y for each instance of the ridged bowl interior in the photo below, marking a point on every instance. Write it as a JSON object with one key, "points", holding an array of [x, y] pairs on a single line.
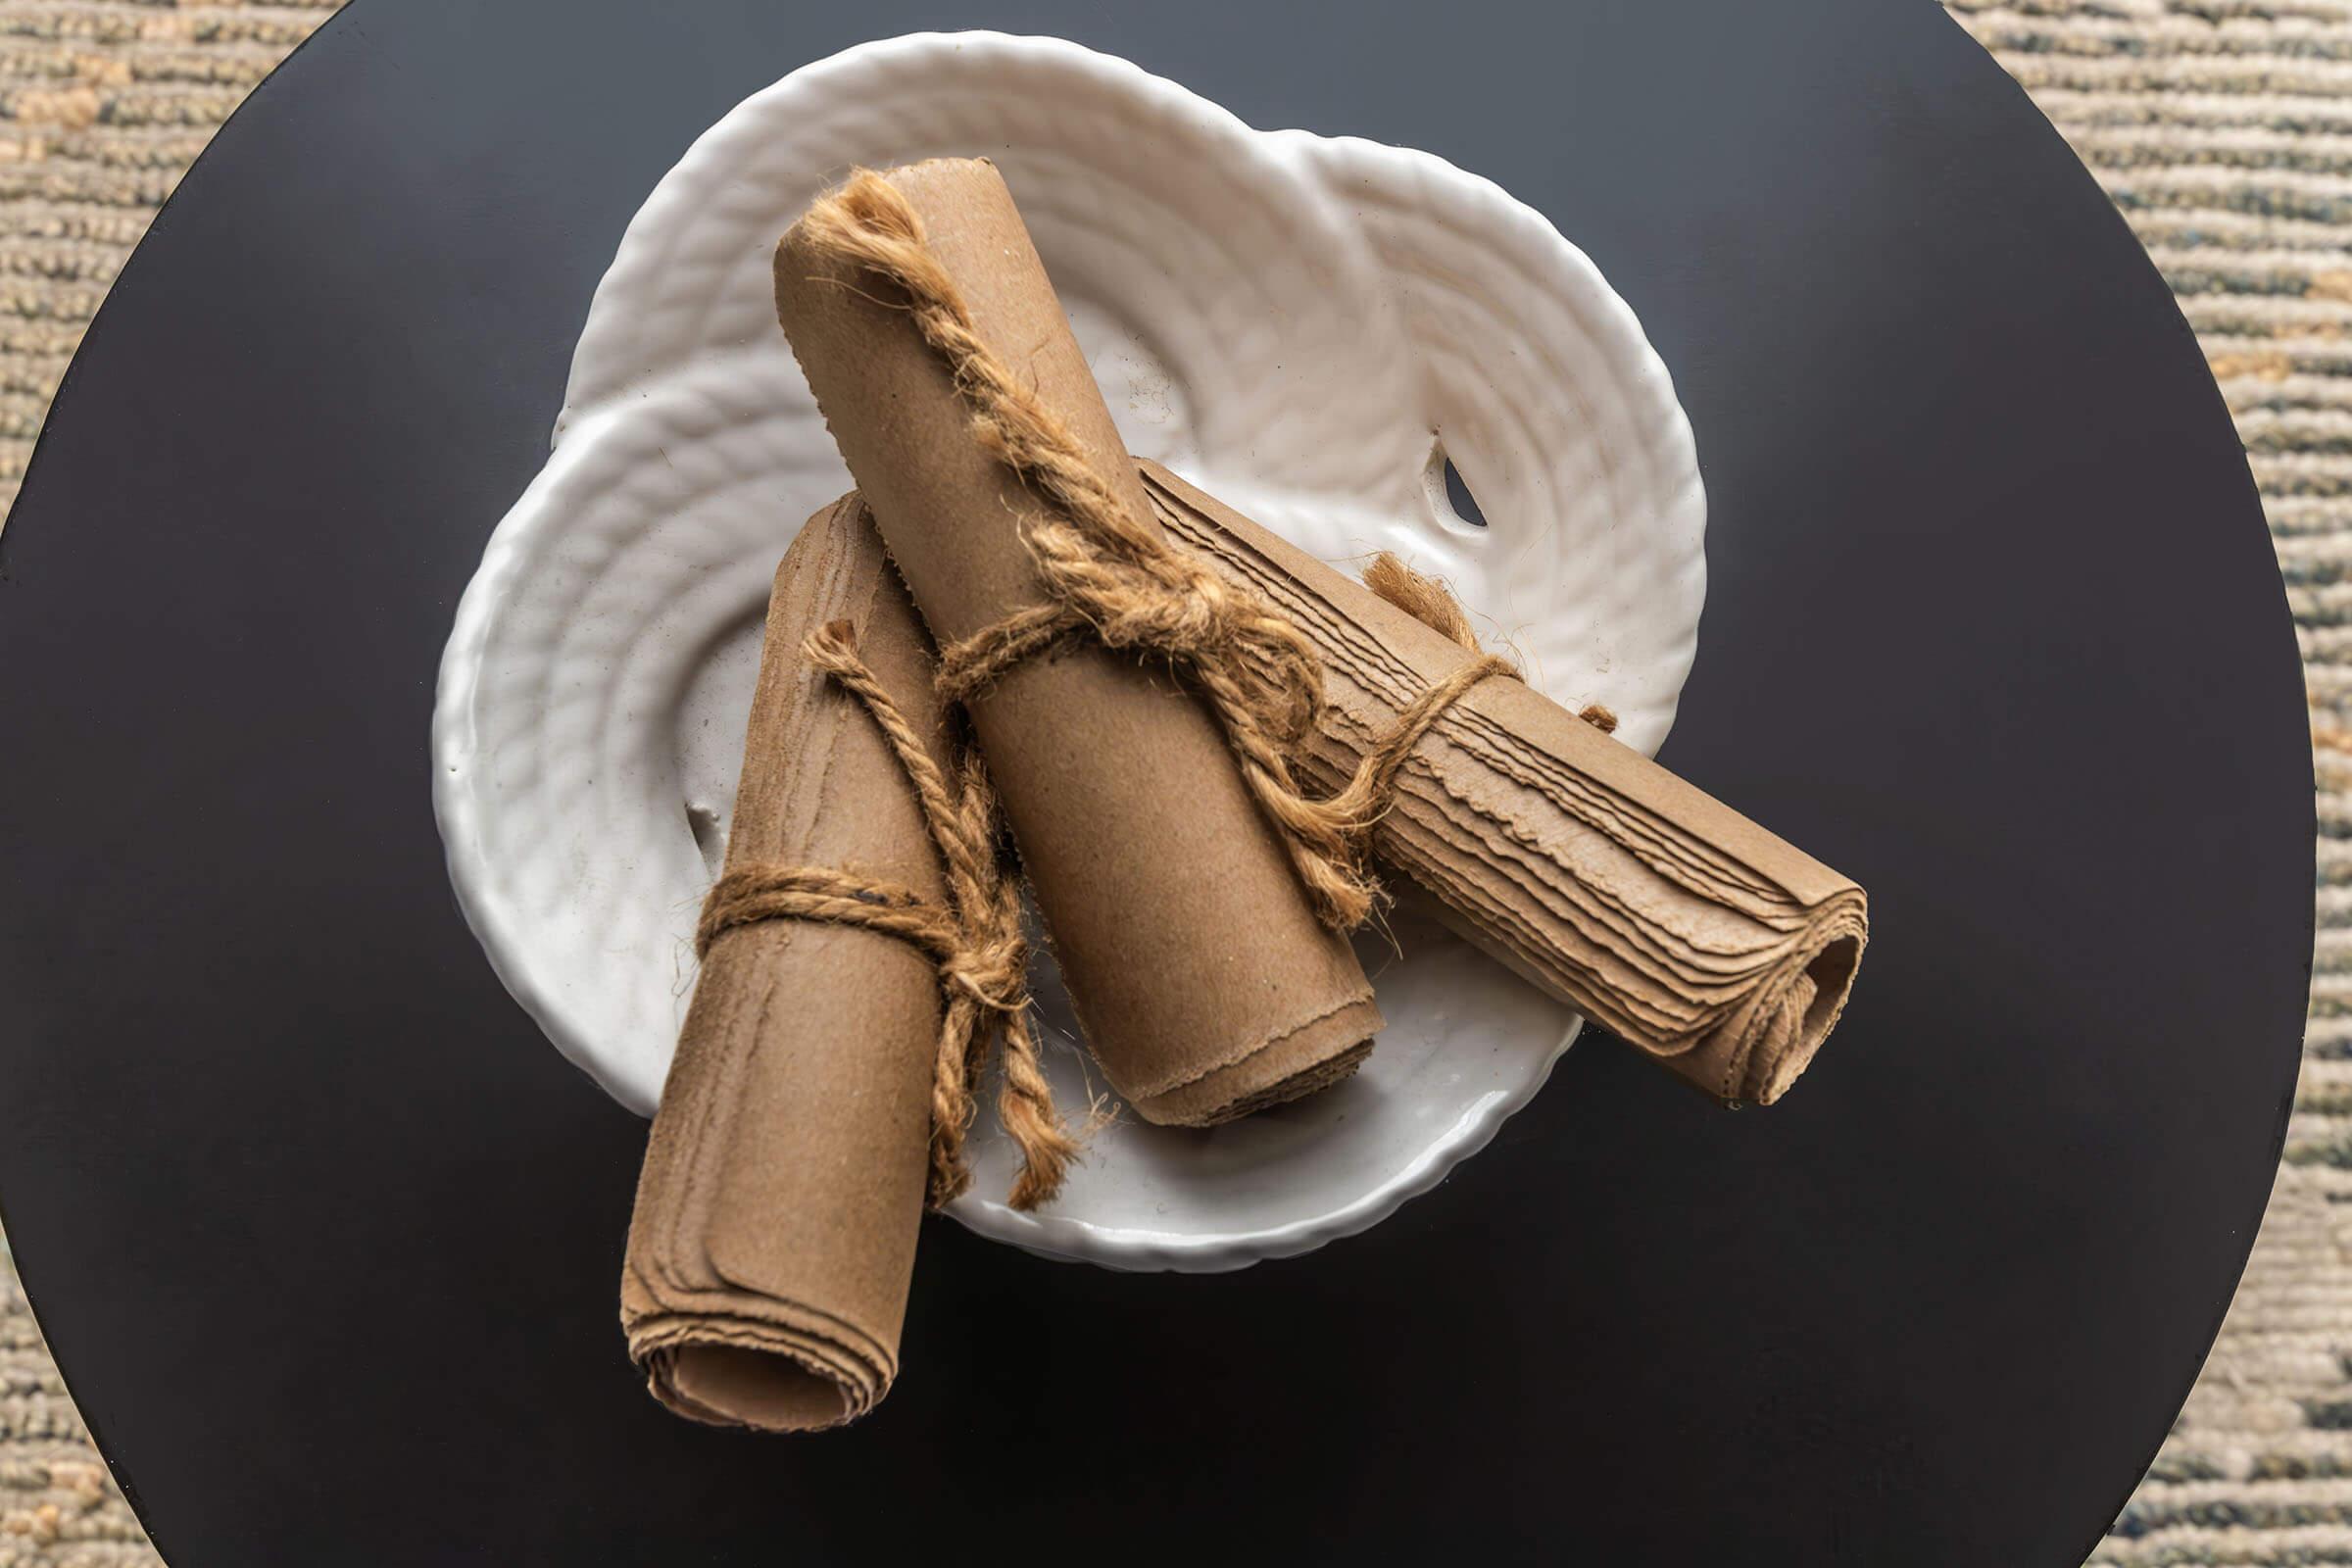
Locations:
{"points": [[1309, 329]]}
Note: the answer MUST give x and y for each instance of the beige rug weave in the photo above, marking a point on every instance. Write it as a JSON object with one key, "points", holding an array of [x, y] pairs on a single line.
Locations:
{"points": [[2222, 127]]}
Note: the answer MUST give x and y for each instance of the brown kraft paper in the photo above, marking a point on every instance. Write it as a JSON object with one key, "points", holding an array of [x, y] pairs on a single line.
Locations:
{"points": [[774, 1239], [1675, 922], [1585, 868], [1197, 969]]}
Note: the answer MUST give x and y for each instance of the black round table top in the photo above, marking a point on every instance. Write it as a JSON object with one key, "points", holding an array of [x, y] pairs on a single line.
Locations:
{"points": [[327, 1240]]}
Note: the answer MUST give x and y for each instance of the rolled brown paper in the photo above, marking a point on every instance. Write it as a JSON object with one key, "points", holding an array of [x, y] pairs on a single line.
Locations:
{"points": [[775, 1222], [1609, 883], [1198, 970], [1677, 923]]}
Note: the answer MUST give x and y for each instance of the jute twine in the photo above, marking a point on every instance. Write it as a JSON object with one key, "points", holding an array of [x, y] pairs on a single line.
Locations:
{"points": [[975, 942], [1107, 575], [1432, 603]]}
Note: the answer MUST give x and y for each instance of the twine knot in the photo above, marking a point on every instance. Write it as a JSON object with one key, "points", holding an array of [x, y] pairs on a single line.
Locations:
{"points": [[993, 973]]}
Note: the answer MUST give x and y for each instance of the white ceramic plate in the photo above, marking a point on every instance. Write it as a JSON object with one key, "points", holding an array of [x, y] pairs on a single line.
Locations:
{"points": [[1305, 326]]}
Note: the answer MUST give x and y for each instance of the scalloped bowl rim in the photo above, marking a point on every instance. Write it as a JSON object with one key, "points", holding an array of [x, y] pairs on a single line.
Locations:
{"points": [[1058, 1237]]}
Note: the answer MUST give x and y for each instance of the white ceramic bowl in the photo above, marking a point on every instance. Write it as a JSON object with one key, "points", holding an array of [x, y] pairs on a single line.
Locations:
{"points": [[1305, 326]]}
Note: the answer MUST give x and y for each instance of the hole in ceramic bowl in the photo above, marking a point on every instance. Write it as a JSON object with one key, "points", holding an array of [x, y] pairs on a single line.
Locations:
{"points": [[1457, 493], [1450, 496], [708, 836]]}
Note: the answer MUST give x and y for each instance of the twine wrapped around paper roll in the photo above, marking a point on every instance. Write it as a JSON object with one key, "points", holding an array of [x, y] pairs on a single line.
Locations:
{"points": [[1195, 962], [774, 1230], [1687, 930], [1675, 922]]}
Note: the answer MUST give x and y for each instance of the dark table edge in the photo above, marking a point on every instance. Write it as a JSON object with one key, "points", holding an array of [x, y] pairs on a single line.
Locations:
{"points": [[34, 465], [346, 16]]}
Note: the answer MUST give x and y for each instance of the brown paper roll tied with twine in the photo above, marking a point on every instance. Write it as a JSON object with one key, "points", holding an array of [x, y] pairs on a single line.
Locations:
{"points": [[1195, 960], [784, 1181], [1706, 943], [1687, 930]]}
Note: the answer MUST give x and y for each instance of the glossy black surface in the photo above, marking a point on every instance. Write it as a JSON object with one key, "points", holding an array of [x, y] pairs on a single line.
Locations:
{"points": [[326, 1238]]}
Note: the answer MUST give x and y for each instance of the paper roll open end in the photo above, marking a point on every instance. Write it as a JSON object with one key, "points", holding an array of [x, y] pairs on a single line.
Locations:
{"points": [[731, 1385], [1817, 996], [1756, 1065]]}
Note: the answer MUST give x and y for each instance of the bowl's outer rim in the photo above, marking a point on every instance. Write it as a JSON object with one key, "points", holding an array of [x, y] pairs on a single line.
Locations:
{"points": [[1061, 1238], [744, 126], [1137, 1252]]}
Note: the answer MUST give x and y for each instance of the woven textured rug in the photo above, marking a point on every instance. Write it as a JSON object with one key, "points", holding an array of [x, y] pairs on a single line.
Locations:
{"points": [[2223, 128]]}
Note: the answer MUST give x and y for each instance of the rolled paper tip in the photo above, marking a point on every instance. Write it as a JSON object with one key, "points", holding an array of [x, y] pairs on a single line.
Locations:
{"points": [[724, 1372], [1307, 1063], [1797, 1009]]}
